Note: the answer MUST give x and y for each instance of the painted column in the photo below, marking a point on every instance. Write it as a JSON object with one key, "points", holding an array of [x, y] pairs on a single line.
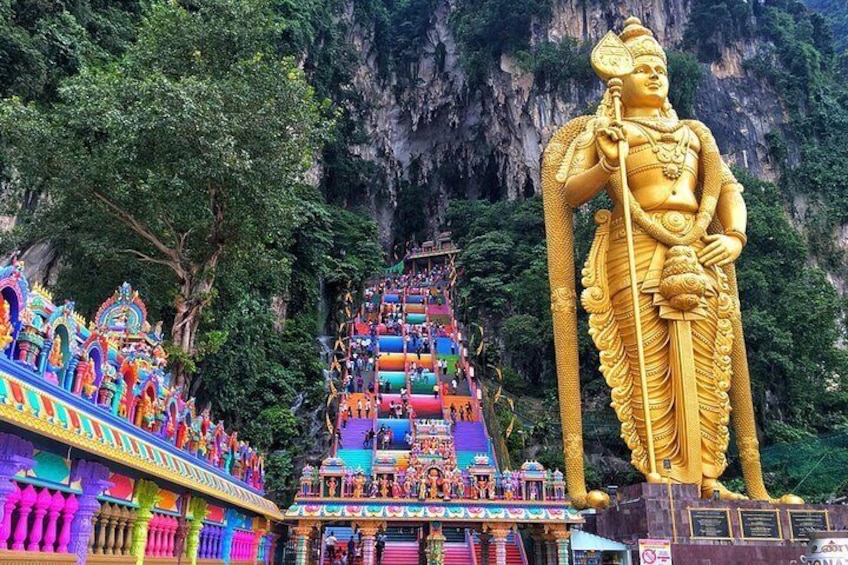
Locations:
{"points": [[485, 541], [369, 533], [15, 456], [562, 537], [198, 508], [256, 545], [232, 517], [93, 479], [499, 534], [302, 533], [550, 550], [147, 494], [435, 545]]}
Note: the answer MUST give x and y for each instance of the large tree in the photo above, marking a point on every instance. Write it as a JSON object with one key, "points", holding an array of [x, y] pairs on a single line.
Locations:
{"points": [[193, 147]]}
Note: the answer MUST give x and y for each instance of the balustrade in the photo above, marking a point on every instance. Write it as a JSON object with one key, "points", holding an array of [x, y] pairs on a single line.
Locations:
{"points": [[111, 530], [211, 542], [37, 520]]}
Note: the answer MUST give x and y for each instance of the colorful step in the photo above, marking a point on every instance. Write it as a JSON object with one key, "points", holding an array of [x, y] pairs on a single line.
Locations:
{"points": [[357, 459], [471, 436], [353, 433], [401, 553], [391, 344]]}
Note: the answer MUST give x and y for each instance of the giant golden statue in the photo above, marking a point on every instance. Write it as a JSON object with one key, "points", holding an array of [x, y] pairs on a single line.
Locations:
{"points": [[677, 224]]}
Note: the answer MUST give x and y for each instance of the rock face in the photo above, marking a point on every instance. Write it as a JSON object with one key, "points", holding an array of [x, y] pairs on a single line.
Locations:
{"points": [[485, 141]]}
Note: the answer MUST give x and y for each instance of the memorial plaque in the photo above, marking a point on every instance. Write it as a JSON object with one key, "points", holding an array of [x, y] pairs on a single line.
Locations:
{"points": [[709, 524], [760, 524], [804, 521]]}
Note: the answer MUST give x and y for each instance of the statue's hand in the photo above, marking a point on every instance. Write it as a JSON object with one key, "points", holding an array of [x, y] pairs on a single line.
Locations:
{"points": [[720, 250], [608, 134]]}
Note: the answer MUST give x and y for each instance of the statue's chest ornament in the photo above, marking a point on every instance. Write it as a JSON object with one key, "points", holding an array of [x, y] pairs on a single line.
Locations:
{"points": [[667, 144]]}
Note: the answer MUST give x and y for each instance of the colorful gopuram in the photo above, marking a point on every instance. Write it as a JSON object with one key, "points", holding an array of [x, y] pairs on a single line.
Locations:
{"points": [[413, 473], [102, 459]]}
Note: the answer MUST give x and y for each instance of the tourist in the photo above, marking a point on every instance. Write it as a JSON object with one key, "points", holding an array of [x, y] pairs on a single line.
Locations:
{"points": [[436, 390], [330, 544], [381, 546], [351, 550], [454, 386], [359, 408]]}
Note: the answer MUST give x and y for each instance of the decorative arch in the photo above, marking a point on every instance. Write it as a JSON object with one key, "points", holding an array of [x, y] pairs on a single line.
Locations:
{"points": [[14, 289]]}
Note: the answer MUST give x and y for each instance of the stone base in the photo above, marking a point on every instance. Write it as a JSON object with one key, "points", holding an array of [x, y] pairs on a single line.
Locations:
{"points": [[657, 511]]}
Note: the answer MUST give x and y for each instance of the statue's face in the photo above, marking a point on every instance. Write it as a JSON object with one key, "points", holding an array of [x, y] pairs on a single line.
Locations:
{"points": [[647, 85]]}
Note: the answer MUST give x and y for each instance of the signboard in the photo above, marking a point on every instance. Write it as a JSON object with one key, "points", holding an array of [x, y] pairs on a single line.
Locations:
{"points": [[802, 522], [655, 551], [760, 524], [709, 524]]}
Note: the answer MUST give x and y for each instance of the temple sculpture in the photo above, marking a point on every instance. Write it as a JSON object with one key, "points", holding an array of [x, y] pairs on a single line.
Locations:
{"points": [[677, 224]]}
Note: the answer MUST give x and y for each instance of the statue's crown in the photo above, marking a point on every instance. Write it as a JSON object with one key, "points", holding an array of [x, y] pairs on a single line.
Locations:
{"points": [[640, 40]]}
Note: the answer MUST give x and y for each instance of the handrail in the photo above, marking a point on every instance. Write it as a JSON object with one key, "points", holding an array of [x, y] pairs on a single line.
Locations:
{"points": [[469, 541], [516, 537]]}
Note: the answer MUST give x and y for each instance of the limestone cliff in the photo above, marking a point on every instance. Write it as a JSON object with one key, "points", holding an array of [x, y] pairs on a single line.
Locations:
{"points": [[463, 140]]}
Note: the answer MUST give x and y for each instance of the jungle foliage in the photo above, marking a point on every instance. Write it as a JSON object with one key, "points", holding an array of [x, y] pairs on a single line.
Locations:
{"points": [[181, 166]]}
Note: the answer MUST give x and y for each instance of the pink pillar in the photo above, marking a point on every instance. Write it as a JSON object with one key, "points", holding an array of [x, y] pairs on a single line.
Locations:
{"points": [[36, 532], [152, 531], [28, 498], [8, 509], [57, 503], [172, 534], [68, 514]]}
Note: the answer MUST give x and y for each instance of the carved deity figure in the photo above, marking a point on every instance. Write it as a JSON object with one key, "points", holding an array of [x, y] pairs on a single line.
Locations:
{"points": [[55, 356], [6, 326], [685, 358]]}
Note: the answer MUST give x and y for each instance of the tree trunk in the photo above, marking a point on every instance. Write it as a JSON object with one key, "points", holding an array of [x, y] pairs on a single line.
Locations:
{"points": [[195, 294]]}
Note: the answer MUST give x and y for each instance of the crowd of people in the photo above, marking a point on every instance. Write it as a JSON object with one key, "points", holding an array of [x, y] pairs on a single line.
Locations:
{"points": [[340, 552]]}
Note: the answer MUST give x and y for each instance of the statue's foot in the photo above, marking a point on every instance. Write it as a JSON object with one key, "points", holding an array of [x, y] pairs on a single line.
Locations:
{"points": [[598, 499], [654, 478], [709, 488], [788, 499]]}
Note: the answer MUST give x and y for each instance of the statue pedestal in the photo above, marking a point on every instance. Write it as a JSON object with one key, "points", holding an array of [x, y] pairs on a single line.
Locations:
{"points": [[713, 531]]}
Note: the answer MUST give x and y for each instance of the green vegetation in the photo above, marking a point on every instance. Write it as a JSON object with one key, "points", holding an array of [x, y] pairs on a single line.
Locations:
{"points": [[836, 13], [486, 29], [41, 43], [166, 166]]}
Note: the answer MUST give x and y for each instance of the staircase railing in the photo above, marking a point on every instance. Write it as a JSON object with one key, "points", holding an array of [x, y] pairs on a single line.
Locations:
{"points": [[469, 540], [521, 548]]}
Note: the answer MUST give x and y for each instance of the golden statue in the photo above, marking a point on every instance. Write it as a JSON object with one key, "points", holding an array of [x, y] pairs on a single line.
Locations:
{"points": [[677, 224]]}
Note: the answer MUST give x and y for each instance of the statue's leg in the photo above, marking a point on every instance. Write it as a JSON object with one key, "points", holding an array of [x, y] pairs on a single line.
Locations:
{"points": [[660, 385], [712, 339]]}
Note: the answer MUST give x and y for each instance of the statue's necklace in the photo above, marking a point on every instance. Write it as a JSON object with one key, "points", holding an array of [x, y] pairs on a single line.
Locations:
{"points": [[670, 152]]}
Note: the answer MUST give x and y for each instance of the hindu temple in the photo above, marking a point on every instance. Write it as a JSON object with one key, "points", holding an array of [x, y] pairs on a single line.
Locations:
{"points": [[413, 476], [102, 458]]}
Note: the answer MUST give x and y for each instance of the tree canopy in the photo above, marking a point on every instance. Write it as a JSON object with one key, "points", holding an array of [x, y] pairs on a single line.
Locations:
{"points": [[193, 146]]}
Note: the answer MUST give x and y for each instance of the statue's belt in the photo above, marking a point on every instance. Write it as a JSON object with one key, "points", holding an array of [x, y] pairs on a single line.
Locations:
{"points": [[675, 221]]}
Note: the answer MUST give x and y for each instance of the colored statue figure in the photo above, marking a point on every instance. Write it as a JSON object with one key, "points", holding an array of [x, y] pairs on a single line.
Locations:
{"points": [[331, 487], [6, 327], [88, 377], [358, 486], [671, 251], [433, 482], [384, 487], [55, 356]]}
